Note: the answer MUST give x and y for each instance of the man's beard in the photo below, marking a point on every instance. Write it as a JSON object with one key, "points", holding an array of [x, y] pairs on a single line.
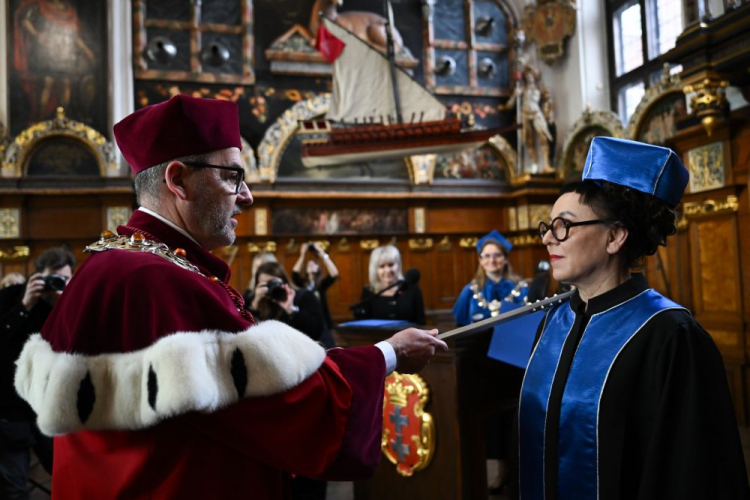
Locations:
{"points": [[215, 221]]}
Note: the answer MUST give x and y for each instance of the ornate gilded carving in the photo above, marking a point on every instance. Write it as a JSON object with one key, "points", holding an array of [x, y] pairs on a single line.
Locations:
{"points": [[523, 217], [249, 163], [547, 25], [10, 223], [261, 221], [421, 168], [445, 244], [278, 135], [324, 244], [117, 216], [408, 430], [707, 100], [420, 223], [711, 207], [16, 254], [589, 125], [261, 246], [656, 93], [512, 219], [23, 144], [537, 214], [470, 243], [506, 151], [369, 244], [707, 168], [420, 244], [525, 240]]}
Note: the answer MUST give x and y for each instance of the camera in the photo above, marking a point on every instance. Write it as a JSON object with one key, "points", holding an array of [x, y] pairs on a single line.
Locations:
{"points": [[54, 282], [311, 248], [276, 291]]}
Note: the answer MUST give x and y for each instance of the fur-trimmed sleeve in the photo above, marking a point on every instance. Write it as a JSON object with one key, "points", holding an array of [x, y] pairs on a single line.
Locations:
{"points": [[183, 372]]}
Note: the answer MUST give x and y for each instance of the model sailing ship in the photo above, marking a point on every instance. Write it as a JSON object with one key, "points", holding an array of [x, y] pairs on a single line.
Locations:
{"points": [[378, 111]]}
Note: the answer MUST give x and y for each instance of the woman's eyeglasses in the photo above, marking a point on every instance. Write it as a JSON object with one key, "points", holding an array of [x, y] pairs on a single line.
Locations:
{"points": [[560, 227], [237, 178]]}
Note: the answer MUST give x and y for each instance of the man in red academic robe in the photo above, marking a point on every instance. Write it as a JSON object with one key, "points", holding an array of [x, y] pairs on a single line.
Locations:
{"points": [[154, 378]]}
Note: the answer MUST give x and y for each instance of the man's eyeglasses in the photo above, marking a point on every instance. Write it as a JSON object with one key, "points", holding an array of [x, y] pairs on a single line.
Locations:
{"points": [[560, 227], [237, 178]]}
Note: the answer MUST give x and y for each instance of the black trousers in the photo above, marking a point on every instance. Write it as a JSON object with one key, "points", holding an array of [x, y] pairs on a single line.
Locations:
{"points": [[17, 439]]}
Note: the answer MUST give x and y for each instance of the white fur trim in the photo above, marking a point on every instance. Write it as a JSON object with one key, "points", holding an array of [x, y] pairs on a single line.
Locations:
{"points": [[193, 373]]}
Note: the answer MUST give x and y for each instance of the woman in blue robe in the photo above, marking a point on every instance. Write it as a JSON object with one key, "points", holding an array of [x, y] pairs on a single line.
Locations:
{"points": [[495, 280], [625, 396]]}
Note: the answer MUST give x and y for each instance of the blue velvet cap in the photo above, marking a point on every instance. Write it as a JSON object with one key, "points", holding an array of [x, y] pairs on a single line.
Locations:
{"points": [[653, 170], [494, 236]]}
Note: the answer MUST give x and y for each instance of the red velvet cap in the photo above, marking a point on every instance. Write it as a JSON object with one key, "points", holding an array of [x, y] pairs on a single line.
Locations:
{"points": [[181, 126]]}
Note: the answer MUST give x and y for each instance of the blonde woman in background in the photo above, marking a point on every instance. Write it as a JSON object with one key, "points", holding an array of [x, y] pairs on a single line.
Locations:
{"points": [[402, 302]]}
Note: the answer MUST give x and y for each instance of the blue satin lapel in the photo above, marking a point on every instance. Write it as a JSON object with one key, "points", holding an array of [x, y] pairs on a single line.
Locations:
{"points": [[532, 412], [597, 352]]}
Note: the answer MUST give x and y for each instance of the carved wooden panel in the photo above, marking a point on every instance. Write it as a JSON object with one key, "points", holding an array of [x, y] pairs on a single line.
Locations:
{"points": [[716, 280]]}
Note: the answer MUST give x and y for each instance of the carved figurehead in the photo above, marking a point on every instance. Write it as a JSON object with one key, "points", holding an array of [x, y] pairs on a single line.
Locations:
{"points": [[368, 26]]}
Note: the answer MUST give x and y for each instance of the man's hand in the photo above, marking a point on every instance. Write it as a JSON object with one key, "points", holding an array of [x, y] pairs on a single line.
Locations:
{"points": [[34, 290], [414, 348]]}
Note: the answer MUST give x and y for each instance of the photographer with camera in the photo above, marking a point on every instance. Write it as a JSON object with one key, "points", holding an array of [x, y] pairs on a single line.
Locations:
{"points": [[315, 280], [23, 311], [276, 298]]}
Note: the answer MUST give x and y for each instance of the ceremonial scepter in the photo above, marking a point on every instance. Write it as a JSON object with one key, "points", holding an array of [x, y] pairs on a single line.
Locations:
{"points": [[539, 305]]}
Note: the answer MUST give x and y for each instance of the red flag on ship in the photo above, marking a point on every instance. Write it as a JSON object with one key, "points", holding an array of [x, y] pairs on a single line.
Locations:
{"points": [[328, 45]]}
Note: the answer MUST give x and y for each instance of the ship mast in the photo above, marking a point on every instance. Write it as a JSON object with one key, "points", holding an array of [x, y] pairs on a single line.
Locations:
{"points": [[392, 57]]}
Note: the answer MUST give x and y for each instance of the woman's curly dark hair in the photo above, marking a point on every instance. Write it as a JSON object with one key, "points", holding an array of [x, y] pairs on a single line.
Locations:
{"points": [[649, 220]]}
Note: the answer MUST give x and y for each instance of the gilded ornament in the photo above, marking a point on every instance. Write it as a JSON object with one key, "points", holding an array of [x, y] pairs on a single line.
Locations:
{"points": [[278, 135], [408, 431], [23, 144], [468, 242], [17, 254], [10, 223], [369, 244], [548, 24], [420, 243]]}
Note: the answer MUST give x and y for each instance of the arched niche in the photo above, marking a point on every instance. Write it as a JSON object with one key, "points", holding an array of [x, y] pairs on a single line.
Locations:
{"points": [[576, 146], [252, 175], [278, 135], [655, 119], [59, 147]]}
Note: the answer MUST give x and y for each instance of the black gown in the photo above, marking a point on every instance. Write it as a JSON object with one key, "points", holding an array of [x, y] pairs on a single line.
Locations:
{"points": [[667, 428], [407, 304]]}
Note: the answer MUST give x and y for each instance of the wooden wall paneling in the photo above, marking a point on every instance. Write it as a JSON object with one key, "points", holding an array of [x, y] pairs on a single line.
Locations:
{"points": [[449, 273], [423, 259], [716, 281], [64, 217], [471, 217], [348, 287]]}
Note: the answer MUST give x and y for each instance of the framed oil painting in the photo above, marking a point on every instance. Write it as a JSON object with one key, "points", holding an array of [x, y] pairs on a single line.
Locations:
{"points": [[57, 57]]}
